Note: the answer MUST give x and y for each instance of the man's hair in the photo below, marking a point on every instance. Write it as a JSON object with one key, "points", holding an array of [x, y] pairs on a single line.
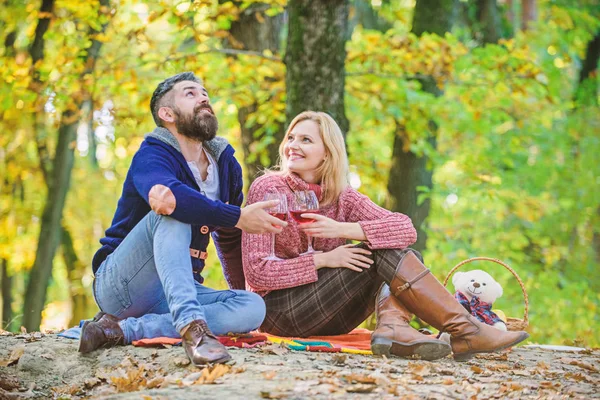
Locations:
{"points": [[161, 96]]}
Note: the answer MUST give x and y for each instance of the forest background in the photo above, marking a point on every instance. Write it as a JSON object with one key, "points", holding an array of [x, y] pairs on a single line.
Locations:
{"points": [[477, 118]]}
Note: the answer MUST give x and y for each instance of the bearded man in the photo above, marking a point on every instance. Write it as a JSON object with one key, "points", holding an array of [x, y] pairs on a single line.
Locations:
{"points": [[183, 184]]}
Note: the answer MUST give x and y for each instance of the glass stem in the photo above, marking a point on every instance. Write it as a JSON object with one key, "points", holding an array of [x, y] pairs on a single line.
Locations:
{"points": [[272, 245], [310, 247]]}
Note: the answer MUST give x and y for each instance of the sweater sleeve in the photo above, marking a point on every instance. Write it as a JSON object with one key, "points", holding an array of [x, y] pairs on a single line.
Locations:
{"points": [[228, 241], [155, 180], [266, 275], [384, 229]]}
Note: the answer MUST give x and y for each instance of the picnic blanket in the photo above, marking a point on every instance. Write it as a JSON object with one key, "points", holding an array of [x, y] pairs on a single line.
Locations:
{"points": [[356, 342]]}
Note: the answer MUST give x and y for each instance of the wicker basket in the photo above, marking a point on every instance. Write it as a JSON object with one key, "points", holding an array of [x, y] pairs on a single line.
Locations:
{"points": [[513, 324]]}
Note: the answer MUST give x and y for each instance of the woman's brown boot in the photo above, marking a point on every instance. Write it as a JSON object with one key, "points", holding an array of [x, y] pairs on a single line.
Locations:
{"points": [[394, 335], [424, 295]]}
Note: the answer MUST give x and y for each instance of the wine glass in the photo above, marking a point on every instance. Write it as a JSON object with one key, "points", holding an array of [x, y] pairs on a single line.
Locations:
{"points": [[305, 201], [278, 211]]}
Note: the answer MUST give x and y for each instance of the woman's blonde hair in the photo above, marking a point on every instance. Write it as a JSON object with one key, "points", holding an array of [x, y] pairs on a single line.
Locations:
{"points": [[333, 171]]}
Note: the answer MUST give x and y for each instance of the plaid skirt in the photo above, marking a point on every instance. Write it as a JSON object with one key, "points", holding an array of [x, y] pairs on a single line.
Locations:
{"points": [[339, 301]]}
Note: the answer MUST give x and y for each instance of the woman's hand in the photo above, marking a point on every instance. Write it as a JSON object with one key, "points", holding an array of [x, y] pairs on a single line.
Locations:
{"points": [[347, 256], [322, 226], [325, 227]]}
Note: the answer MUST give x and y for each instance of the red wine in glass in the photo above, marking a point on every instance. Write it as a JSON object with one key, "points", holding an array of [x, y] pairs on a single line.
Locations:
{"points": [[303, 202], [279, 215], [278, 211], [296, 215]]}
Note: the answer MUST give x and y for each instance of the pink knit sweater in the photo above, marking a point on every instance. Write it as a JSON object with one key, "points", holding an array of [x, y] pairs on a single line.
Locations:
{"points": [[383, 229]]}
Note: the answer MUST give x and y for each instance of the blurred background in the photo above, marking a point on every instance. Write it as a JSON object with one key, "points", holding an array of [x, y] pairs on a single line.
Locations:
{"points": [[477, 118]]}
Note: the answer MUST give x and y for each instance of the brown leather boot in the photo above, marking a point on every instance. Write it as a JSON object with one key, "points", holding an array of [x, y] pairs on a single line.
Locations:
{"points": [[201, 346], [394, 335], [425, 296], [102, 331]]}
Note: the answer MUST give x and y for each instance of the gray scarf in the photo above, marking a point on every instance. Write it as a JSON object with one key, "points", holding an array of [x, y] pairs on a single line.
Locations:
{"points": [[215, 147]]}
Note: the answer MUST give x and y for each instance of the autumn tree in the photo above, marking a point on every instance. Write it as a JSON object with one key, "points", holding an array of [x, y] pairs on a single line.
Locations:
{"points": [[315, 58], [411, 172]]}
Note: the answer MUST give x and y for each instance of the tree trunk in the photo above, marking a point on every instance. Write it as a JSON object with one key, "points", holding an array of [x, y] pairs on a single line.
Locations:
{"points": [[366, 15], [587, 88], [529, 13], [256, 31], [50, 232], [315, 58], [59, 181], [5, 285], [586, 95], [489, 21], [75, 270], [433, 16], [409, 170]]}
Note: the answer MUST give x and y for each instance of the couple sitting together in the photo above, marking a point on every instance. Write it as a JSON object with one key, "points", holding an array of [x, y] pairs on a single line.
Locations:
{"points": [[184, 184]]}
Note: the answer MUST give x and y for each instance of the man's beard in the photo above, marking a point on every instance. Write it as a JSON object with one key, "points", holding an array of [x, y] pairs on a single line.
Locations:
{"points": [[199, 126]]}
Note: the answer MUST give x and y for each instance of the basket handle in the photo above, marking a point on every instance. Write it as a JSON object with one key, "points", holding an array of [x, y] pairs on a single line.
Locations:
{"points": [[512, 271]]}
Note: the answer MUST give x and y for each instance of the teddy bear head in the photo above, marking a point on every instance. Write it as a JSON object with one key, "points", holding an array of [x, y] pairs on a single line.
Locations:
{"points": [[477, 283]]}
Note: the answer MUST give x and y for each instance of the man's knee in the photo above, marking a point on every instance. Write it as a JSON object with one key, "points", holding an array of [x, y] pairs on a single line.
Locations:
{"points": [[255, 310], [166, 222]]}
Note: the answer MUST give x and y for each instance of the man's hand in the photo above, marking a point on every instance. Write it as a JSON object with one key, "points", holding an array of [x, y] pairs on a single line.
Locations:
{"points": [[254, 218], [347, 256]]}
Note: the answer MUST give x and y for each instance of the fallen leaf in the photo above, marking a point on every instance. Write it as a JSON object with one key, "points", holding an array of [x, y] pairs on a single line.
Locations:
{"points": [[339, 359], [511, 386], [498, 367], [210, 374], [91, 382], [278, 350], [550, 385], [130, 380], [14, 357], [418, 369], [543, 365], [579, 363], [448, 381], [360, 388], [269, 395], [9, 382], [269, 375], [358, 378], [521, 373], [181, 361], [476, 369]]}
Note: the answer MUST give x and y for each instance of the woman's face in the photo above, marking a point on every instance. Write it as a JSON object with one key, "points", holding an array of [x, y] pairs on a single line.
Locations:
{"points": [[304, 149]]}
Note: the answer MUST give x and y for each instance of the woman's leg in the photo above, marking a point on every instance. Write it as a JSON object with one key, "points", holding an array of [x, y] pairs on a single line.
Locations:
{"points": [[335, 304], [419, 291], [340, 300]]}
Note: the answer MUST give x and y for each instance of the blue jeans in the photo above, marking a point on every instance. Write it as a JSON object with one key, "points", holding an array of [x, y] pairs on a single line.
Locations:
{"points": [[148, 282]]}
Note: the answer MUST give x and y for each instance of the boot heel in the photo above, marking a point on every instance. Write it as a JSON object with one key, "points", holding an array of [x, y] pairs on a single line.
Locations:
{"points": [[381, 346]]}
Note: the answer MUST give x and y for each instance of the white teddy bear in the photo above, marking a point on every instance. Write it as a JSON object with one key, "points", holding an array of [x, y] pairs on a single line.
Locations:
{"points": [[476, 290]]}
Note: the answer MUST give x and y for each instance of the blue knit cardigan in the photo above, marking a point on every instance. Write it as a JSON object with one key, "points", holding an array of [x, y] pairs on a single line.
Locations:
{"points": [[159, 161]]}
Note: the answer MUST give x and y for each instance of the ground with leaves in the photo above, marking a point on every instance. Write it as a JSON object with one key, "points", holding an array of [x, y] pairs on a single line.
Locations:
{"points": [[45, 366]]}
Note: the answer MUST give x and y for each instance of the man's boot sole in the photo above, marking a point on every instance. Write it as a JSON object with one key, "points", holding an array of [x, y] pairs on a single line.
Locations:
{"points": [[468, 355], [82, 345], [428, 350], [222, 360]]}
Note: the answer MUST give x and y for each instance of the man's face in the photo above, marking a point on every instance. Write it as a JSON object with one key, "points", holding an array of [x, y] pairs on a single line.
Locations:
{"points": [[194, 117]]}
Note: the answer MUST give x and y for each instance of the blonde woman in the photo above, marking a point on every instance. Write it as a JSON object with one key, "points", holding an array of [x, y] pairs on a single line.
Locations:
{"points": [[336, 288]]}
